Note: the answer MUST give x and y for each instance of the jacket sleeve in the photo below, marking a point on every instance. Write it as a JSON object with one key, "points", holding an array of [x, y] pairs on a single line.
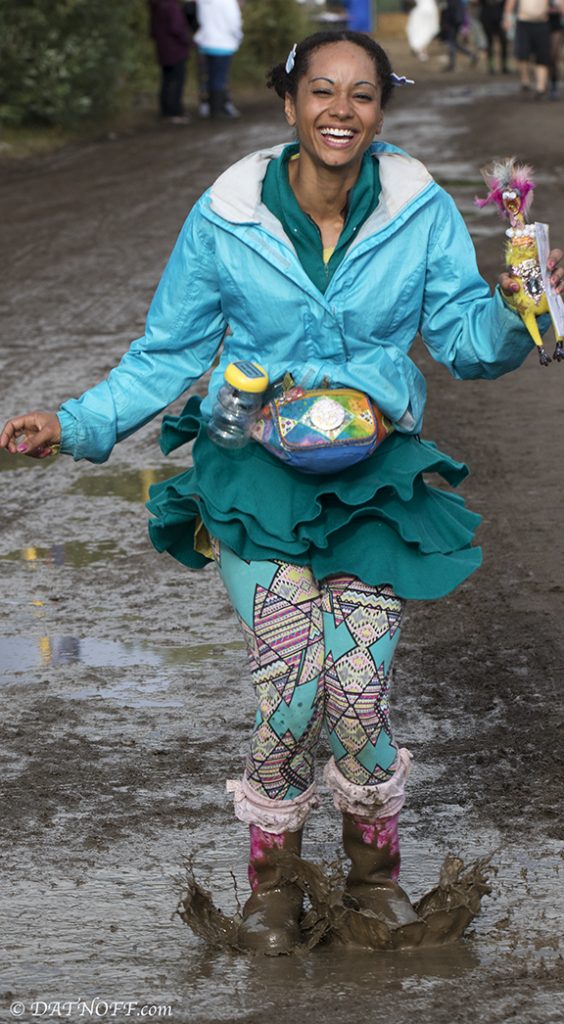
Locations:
{"points": [[234, 21], [473, 333], [184, 329]]}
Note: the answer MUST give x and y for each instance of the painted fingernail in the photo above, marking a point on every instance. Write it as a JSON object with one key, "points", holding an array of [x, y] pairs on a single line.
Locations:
{"points": [[22, 448]]}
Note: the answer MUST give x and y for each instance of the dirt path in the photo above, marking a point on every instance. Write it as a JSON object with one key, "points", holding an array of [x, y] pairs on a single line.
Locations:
{"points": [[113, 661]]}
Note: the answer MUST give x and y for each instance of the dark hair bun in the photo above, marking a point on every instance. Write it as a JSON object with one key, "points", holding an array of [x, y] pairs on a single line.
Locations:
{"points": [[278, 79]]}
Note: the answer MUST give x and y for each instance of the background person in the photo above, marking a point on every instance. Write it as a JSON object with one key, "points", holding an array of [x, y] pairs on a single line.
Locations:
{"points": [[218, 38], [532, 40], [422, 27], [454, 22], [491, 17], [169, 29], [555, 16]]}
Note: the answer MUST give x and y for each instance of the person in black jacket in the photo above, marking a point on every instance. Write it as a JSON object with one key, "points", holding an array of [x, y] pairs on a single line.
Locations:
{"points": [[172, 36]]}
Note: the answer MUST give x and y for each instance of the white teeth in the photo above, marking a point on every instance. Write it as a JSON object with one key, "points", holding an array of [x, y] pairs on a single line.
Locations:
{"points": [[341, 133]]}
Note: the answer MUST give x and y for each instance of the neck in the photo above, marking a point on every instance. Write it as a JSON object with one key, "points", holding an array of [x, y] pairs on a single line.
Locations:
{"points": [[320, 191]]}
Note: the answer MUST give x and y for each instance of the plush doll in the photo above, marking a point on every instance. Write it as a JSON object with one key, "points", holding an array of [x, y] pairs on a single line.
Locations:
{"points": [[511, 189]]}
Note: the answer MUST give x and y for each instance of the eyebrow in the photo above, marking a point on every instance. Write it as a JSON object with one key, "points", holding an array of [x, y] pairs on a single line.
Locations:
{"points": [[323, 78]]}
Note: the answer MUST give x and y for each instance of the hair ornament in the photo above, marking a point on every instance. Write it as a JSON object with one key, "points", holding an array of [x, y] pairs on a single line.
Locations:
{"points": [[291, 60], [400, 79]]}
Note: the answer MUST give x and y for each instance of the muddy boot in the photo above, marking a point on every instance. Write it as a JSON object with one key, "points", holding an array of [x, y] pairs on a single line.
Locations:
{"points": [[373, 848], [272, 913]]}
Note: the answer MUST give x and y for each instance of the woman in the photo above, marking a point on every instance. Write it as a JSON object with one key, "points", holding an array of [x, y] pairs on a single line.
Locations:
{"points": [[325, 258]]}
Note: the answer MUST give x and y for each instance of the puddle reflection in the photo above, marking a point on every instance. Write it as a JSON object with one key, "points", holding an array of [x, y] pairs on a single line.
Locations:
{"points": [[75, 553], [8, 462], [19, 654], [132, 485]]}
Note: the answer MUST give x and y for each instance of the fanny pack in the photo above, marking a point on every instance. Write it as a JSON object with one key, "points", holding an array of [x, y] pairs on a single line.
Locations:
{"points": [[321, 430]]}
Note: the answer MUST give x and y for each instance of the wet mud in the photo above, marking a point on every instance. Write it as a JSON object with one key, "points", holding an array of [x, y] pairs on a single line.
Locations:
{"points": [[124, 694]]}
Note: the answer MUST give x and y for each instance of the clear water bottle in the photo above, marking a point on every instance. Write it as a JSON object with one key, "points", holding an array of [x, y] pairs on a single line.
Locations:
{"points": [[238, 404]]}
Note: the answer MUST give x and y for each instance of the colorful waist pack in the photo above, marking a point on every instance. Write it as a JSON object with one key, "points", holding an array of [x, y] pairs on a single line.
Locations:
{"points": [[323, 430]]}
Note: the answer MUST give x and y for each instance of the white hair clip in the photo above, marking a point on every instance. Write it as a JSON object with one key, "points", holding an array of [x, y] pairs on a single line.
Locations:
{"points": [[289, 66], [401, 79]]}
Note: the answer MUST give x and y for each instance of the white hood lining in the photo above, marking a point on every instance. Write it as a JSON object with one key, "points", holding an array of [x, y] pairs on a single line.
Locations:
{"points": [[236, 194]]}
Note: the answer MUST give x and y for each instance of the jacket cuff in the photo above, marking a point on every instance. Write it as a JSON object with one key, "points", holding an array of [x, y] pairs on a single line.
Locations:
{"points": [[68, 432]]}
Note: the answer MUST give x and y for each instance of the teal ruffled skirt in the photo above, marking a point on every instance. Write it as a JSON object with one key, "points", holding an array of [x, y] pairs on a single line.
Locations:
{"points": [[378, 520]]}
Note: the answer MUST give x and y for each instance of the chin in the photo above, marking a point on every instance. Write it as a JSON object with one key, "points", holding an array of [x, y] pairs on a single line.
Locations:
{"points": [[343, 160]]}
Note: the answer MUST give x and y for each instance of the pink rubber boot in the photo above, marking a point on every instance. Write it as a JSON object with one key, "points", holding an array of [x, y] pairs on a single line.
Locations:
{"points": [[373, 848], [271, 915]]}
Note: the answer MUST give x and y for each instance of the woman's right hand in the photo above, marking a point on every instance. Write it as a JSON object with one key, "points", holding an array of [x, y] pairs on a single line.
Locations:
{"points": [[35, 434]]}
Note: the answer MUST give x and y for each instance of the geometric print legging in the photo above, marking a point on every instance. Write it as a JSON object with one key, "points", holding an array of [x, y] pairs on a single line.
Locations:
{"points": [[320, 655]]}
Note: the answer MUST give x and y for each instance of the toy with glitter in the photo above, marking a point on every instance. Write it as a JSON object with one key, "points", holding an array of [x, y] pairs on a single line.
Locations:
{"points": [[511, 189]]}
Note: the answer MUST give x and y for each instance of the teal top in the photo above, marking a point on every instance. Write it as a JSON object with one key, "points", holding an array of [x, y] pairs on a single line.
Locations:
{"points": [[278, 196]]}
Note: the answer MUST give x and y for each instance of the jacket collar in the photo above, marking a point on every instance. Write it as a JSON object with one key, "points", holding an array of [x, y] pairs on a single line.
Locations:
{"points": [[236, 194]]}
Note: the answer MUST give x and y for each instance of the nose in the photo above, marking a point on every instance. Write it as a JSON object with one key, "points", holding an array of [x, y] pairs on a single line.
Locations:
{"points": [[341, 106]]}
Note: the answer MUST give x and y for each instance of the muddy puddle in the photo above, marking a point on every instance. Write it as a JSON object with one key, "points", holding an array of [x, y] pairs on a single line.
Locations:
{"points": [[123, 688]]}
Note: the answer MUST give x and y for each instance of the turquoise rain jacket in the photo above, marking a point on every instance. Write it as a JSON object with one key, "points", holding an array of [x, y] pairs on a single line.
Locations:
{"points": [[412, 268]]}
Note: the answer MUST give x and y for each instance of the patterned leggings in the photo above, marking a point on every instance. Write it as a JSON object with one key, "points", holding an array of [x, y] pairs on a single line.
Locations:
{"points": [[319, 653]]}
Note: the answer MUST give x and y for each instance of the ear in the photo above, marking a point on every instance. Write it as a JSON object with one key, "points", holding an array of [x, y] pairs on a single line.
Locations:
{"points": [[379, 125], [290, 110]]}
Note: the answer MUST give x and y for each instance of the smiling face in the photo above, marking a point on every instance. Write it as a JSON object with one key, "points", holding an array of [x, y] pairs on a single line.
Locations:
{"points": [[336, 110]]}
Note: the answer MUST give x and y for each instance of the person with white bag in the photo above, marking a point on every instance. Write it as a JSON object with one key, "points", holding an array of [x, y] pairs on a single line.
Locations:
{"points": [[422, 27]]}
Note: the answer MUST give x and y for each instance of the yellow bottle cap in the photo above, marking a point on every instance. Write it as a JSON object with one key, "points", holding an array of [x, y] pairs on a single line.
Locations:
{"points": [[247, 376]]}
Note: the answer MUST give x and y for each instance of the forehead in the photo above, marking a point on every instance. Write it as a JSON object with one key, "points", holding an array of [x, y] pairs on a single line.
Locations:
{"points": [[342, 61]]}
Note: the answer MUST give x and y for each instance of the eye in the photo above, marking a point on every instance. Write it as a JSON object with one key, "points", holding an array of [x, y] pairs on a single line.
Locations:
{"points": [[320, 91], [365, 96]]}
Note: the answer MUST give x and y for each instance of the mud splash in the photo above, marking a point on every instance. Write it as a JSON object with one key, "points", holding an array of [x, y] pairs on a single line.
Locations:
{"points": [[444, 913]]}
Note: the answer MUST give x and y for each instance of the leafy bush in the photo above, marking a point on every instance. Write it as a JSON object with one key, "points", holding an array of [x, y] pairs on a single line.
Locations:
{"points": [[271, 29], [67, 62], [62, 61]]}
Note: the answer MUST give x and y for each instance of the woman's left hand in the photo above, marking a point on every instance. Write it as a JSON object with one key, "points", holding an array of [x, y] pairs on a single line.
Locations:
{"points": [[509, 285]]}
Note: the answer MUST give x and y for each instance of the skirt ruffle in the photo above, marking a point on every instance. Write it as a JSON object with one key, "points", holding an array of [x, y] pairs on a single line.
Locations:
{"points": [[378, 520]]}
